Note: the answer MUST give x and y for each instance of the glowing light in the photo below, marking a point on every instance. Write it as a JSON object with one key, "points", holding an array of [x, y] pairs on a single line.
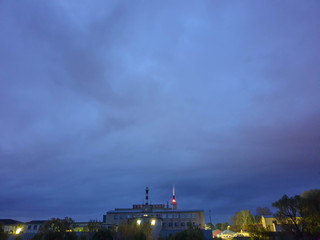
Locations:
{"points": [[145, 215], [173, 200], [138, 221], [153, 222], [18, 230]]}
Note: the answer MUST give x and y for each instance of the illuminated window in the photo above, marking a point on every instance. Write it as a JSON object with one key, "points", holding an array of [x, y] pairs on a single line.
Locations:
{"points": [[153, 222]]}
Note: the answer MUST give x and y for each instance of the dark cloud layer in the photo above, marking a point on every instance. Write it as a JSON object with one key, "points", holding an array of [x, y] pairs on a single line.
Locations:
{"points": [[99, 100]]}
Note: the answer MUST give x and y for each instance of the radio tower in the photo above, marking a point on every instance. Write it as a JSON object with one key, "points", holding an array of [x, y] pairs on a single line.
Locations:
{"points": [[174, 201], [147, 197]]}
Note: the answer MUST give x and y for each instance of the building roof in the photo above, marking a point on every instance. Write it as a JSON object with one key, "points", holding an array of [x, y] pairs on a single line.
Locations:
{"points": [[227, 232], [130, 210], [216, 232], [37, 222], [9, 221]]}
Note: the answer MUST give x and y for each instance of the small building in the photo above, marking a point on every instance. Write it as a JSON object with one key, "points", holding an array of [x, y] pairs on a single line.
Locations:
{"points": [[33, 226], [226, 234], [270, 224], [216, 232], [11, 226]]}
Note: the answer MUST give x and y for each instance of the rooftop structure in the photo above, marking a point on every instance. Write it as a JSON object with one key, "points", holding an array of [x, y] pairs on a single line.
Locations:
{"points": [[163, 216]]}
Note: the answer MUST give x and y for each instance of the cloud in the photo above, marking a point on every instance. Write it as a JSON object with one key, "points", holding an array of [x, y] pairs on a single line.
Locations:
{"points": [[99, 100]]}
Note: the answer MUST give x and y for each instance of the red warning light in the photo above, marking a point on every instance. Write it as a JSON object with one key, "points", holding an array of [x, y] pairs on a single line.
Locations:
{"points": [[173, 200]]}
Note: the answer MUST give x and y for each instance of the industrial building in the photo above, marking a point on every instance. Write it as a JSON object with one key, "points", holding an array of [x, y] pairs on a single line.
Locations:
{"points": [[161, 216]]}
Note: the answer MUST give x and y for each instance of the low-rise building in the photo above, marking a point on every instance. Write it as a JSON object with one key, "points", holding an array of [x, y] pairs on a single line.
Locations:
{"points": [[164, 217], [11, 226]]}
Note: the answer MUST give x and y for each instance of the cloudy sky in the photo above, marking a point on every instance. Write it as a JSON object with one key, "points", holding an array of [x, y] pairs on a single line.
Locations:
{"points": [[99, 99]]}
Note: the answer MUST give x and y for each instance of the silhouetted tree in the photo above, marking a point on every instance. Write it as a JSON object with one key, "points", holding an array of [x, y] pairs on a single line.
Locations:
{"points": [[221, 226], [300, 215], [3, 235], [94, 225], [57, 229], [263, 211], [103, 234], [191, 234], [130, 230]]}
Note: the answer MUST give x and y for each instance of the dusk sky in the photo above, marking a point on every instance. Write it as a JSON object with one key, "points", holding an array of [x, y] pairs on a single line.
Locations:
{"points": [[100, 99]]}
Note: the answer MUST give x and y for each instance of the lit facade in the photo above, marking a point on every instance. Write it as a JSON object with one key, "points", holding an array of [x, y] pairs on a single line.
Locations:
{"points": [[169, 218]]}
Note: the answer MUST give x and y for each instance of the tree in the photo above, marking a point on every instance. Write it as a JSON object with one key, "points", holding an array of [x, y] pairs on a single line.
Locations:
{"points": [[288, 213], [94, 225], [263, 211], [3, 235], [241, 219], [300, 215], [221, 226], [209, 226], [56, 228], [257, 232], [130, 230], [103, 234], [190, 234], [311, 210]]}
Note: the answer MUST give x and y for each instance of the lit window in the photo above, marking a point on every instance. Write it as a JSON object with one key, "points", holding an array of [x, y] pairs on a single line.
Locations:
{"points": [[138, 221], [153, 222]]}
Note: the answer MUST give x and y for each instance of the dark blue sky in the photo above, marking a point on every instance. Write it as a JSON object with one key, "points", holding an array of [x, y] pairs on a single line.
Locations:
{"points": [[99, 99]]}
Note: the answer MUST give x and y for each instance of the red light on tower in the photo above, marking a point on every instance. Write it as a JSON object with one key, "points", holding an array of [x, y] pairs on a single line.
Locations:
{"points": [[174, 201]]}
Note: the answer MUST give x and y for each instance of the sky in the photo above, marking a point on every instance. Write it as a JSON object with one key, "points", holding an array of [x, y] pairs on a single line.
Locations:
{"points": [[101, 99]]}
